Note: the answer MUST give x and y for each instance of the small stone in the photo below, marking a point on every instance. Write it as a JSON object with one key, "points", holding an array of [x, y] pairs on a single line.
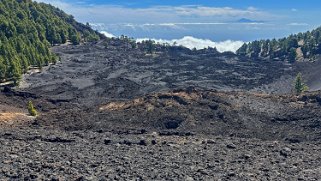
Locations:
{"points": [[107, 141], [143, 131], [210, 142], [221, 116], [7, 161], [202, 171], [285, 152], [81, 178], [231, 146], [14, 156], [54, 179], [142, 142], [153, 142], [100, 131], [213, 106], [127, 142], [301, 178], [231, 174], [154, 134], [188, 178], [33, 176], [246, 156], [120, 169]]}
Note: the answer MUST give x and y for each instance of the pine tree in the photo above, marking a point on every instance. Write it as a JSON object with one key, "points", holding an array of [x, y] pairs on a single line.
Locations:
{"points": [[299, 86], [292, 55], [2, 69], [75, 39]]}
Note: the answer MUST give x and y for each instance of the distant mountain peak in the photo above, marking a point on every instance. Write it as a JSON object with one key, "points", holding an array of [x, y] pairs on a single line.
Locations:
{"points": [[245, 20]]}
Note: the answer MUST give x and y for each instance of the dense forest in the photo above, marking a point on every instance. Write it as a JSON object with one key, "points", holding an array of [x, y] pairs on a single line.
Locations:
{"points": [[295, 47], [28, 29]]}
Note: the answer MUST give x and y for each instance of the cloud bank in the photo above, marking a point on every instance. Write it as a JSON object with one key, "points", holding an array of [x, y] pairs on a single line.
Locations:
{"points": [[192, 42], [108, 35]]}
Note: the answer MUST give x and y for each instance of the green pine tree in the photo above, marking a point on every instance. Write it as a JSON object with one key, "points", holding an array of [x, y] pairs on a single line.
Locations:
{"points": [[75, 39], [292, 55], [299, 86]]}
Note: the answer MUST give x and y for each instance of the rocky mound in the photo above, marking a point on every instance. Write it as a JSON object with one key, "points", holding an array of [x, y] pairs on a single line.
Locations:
{"points": [[181, 112]]}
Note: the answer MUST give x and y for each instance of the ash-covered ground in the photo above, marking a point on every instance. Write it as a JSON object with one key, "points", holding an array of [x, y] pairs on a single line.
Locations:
{"points": [[109, 111]]}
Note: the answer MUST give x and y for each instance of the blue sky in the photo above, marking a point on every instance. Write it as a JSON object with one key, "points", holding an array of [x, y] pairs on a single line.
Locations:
{"points": [[271, 4], [216, 20]]}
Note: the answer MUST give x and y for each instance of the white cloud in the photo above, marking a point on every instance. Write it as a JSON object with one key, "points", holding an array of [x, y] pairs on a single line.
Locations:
{"points": [[108, 35], [294, 10], [176, 24], [192, 42], [298, 24], [153, 15], [160, 24]]}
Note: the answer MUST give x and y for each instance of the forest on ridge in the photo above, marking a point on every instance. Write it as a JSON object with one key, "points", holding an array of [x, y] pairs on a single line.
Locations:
{"points": [[27, 31]]}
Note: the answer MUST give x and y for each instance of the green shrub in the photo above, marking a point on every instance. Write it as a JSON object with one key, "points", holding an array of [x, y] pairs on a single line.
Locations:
{"points": [[32, 111]]}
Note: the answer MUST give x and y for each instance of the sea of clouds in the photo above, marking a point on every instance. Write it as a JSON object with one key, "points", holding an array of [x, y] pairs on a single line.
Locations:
{"points": [[192, 42]]}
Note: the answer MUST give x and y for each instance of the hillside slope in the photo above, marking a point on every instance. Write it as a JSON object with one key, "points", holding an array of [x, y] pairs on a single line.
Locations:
{"points": [[116, 110], [292, 48], [28, 29], [98, 87]]}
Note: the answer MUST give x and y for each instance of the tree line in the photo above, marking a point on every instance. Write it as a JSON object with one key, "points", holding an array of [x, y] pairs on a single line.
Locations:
{"points": [[292, 48], [27, 31]]}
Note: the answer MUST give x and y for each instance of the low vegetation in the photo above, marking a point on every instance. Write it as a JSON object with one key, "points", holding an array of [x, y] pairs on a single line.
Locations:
{"points": [[31, 109]]}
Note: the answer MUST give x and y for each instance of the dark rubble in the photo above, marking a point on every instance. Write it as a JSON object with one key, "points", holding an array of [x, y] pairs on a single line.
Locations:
{"points": [[118, 113]]}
